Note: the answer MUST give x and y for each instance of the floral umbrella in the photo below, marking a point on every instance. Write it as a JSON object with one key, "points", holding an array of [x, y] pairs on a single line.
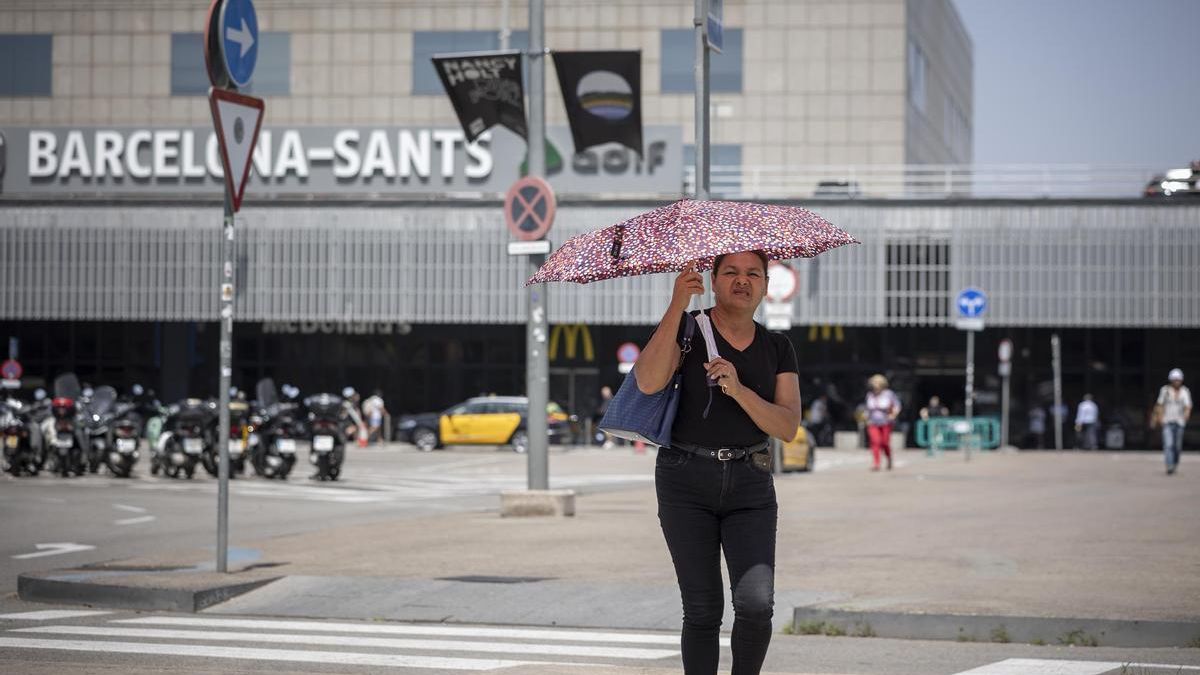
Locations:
{"points": [[668, 238]]}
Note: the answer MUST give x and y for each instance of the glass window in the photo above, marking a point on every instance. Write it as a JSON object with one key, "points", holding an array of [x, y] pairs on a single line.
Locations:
{"points": [[427, 43], [25, 65], [724, 166], [678, 61], [272, 72]]}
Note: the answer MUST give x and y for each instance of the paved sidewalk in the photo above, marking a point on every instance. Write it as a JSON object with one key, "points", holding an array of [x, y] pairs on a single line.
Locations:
{"points": [[1022, 537]]}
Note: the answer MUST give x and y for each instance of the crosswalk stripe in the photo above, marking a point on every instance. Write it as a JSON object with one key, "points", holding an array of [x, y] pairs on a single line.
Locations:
{"points": [[51, 615], [408, 629], [1064, 667], [520, 648], [256, 654]]}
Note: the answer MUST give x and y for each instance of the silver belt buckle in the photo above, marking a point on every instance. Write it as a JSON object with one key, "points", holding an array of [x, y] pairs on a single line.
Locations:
{"points": [[725, 454]]}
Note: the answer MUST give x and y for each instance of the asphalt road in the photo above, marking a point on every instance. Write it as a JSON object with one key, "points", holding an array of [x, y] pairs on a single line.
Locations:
{"points": [[48, 522]]}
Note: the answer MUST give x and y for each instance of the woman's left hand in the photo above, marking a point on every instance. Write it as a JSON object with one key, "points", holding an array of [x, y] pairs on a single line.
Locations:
{"points": [[726, 376]]}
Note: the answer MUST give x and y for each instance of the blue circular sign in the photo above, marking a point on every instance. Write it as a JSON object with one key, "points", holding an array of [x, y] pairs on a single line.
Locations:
{"points": [[239, 40], [971, 303]]}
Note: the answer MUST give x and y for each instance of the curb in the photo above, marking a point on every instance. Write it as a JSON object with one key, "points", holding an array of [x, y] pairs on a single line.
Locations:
{"points": [[37, 588], [995, 628]]}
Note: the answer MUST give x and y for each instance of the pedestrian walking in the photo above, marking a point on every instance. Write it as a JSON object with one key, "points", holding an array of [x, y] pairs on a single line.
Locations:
{"points": [[1087, 423], [606, 441], [819, 421], [1037, 427], [1172, 410], [714, 483], [374, 411], [882, 408]]}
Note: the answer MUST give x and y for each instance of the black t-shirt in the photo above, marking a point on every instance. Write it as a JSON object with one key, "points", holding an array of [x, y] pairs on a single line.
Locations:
{"points": [[727, 425]]}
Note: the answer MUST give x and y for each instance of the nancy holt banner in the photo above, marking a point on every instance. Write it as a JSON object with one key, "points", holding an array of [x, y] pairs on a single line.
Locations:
{"points": [[602, 92], [485, 88]]}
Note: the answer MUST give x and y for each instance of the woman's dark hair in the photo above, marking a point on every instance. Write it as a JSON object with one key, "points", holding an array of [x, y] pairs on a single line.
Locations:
{"points": [[761, 256]]}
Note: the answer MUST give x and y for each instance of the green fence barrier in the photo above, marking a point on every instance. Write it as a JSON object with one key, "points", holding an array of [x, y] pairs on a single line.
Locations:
{"points": [[951, 433]]}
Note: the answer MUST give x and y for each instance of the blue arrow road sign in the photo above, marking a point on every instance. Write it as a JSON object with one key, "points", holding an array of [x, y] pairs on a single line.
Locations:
{"points": [[972, 303], [239, 40]]}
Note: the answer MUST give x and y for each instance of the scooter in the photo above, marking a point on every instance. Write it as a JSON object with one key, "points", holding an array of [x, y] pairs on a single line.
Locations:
{"points": [[24, 452], [282, 427], [97, 412], [327, 417], [62, 429], [124, 439], [188, 430]]}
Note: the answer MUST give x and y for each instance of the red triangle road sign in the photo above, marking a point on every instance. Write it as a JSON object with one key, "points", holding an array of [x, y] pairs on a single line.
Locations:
{"points": [[238, 119]]}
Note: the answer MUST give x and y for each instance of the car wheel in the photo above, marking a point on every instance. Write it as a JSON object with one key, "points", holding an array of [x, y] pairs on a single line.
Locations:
{"points": [[425, 439], [520, 442]]}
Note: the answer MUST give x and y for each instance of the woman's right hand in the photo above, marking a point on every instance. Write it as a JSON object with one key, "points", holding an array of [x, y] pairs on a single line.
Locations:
{"points": [[688, 283]]}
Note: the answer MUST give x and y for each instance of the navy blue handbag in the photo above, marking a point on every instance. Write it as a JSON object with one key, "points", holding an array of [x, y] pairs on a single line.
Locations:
{"points": [[635, 416]]}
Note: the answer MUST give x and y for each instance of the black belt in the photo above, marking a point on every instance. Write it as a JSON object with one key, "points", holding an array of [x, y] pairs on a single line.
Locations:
{"points": [[722, 454]]}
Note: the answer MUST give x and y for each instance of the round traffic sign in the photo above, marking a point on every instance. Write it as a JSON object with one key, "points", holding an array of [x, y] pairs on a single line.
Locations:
{"points": [[11, 370], [529, 208], [628, 352], [231, 42], [782, 282], [971, 303]]}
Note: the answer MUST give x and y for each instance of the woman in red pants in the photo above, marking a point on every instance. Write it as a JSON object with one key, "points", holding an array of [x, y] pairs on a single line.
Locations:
{"points": [[882, 408]]}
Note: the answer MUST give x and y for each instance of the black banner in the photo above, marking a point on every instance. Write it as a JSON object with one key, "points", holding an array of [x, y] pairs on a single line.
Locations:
{"points": [[602, 92], [485, 88]]}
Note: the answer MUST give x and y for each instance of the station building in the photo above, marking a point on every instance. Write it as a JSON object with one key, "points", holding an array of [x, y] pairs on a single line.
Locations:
{"points": [[371, 245]]}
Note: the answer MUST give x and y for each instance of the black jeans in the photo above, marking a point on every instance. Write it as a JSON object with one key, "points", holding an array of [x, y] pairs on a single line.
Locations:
{"points": [[704, 506]]}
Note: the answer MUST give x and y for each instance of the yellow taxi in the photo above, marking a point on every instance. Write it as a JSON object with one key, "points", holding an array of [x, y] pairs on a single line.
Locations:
{"points": [[484, 420]]}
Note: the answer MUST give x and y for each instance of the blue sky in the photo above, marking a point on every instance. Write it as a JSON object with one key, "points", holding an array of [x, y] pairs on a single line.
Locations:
{"points": [[1085, 81]]}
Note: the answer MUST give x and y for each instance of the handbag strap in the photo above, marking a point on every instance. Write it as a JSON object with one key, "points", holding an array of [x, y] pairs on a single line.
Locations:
{"points": [[688, 329]]}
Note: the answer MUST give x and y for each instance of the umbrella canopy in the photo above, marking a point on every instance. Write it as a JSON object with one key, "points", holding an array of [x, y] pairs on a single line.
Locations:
{"points": [[668, 238]]}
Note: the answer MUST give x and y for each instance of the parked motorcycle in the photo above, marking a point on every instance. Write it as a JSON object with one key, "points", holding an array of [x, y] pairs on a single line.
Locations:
{"points": [[24, 452], [241, 437], [125, 430], [283, 425], [62, 429], [189, 429], [97, 414], [328, 418]]}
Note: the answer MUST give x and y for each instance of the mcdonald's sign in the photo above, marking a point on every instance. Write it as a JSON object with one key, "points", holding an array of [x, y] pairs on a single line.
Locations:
{"points": [[573, 332], [827, 332]]}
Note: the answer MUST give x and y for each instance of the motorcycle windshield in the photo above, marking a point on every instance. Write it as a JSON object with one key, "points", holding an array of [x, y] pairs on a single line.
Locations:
{"points": [[67, 386], [267, 394], [102, 400]]}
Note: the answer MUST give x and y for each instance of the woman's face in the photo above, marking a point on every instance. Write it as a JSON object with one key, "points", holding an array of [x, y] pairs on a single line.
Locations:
{"points": [[741, 281]]}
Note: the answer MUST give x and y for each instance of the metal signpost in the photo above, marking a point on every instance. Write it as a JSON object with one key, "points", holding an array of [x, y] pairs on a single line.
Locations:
{"points": [[971, 303], [1056, 362], [529, 208], [1005, 354], [230, 52], [701, 21], [537, 375]]}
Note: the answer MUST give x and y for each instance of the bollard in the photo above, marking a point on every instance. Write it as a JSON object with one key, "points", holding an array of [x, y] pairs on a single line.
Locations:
{"points": [[639, 448]]}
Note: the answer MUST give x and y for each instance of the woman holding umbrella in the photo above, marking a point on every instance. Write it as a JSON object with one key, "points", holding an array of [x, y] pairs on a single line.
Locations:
{"points": [[714, 484]]}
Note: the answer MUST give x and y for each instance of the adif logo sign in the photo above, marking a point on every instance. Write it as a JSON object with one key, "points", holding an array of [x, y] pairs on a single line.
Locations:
{"points": [[177, 154]]}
